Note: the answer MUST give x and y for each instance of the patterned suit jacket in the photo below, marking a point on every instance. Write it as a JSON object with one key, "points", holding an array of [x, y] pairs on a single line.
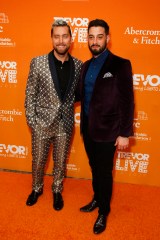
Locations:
{"points": [[43, 102]]}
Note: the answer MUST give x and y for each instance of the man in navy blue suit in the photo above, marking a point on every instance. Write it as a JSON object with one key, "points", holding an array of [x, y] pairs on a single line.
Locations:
{"points": [[107, 109]]}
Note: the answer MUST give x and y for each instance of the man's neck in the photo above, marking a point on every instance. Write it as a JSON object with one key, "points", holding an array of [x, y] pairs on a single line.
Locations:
{"points": [[61, 57], [95, 56]]}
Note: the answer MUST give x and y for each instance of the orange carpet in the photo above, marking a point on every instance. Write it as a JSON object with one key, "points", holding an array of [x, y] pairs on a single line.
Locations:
{"points": [[135, 211]]}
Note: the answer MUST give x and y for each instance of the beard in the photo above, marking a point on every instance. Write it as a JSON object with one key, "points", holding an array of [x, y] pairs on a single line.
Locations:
{"points": [[96, 51], [61, 51]]}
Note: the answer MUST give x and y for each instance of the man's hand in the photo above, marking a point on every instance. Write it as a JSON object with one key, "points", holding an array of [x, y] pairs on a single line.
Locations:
{"points": [[122, 143]]}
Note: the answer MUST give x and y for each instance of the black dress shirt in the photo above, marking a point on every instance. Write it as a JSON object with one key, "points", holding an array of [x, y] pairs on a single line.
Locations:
{"points": [[63, 73]]}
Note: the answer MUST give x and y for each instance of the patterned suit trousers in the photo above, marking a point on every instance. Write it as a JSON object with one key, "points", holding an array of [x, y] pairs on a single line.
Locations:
{"points": [[41, 142]]}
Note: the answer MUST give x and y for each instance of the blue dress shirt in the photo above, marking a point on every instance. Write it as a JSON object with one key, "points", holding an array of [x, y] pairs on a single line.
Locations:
{"points": [[91, 76]]}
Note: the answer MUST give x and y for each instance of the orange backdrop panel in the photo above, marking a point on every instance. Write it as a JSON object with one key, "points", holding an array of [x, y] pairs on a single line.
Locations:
{"points": [[25, 33]]}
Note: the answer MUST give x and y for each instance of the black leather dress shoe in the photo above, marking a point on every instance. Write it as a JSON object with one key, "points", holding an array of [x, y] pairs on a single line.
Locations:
{"points": [[100, 224], [90, 206], [58, 201], [33, 197]]}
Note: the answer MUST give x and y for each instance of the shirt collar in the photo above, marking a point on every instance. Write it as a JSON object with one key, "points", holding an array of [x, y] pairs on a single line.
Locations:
{"points": [[60, 62], [101, 57]]}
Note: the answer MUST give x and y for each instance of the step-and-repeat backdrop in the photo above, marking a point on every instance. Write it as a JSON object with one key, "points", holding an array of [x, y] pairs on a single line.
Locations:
{"points": [[135, 34]]}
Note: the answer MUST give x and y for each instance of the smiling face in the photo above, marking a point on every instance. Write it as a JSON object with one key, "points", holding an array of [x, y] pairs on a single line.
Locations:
{"points": [[61, 39], [97, 40]]}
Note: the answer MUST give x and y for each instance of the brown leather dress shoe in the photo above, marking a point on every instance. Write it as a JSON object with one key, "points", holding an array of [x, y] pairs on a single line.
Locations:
{"points": [[58, 201], [90, 206], [33, 197], [100, 224]]}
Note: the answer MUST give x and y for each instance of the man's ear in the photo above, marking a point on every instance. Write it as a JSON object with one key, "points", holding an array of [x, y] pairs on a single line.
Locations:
{"points": [[108, 38]]}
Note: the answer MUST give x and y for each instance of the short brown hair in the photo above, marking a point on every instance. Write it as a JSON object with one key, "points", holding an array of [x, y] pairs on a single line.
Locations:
{"points": [[60, 23]]}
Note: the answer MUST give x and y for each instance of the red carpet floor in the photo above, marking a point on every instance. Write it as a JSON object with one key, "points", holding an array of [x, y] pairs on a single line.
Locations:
{"points": [[135, 211]]}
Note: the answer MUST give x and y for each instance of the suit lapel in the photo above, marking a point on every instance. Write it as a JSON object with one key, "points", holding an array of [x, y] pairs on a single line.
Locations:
{"points": [[106, 64], [53, 71], [71, 78]]}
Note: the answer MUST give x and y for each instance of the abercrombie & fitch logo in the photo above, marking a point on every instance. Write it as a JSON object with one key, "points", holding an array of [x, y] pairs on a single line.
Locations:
{"points": [[144, 36]]}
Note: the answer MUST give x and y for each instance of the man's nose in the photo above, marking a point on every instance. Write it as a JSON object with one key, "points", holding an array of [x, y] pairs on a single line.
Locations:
{"points": [[61, 39], [94, 40]]}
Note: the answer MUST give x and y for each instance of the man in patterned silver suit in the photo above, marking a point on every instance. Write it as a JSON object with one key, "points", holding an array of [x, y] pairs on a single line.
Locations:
{"points": [[49, 104]]}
